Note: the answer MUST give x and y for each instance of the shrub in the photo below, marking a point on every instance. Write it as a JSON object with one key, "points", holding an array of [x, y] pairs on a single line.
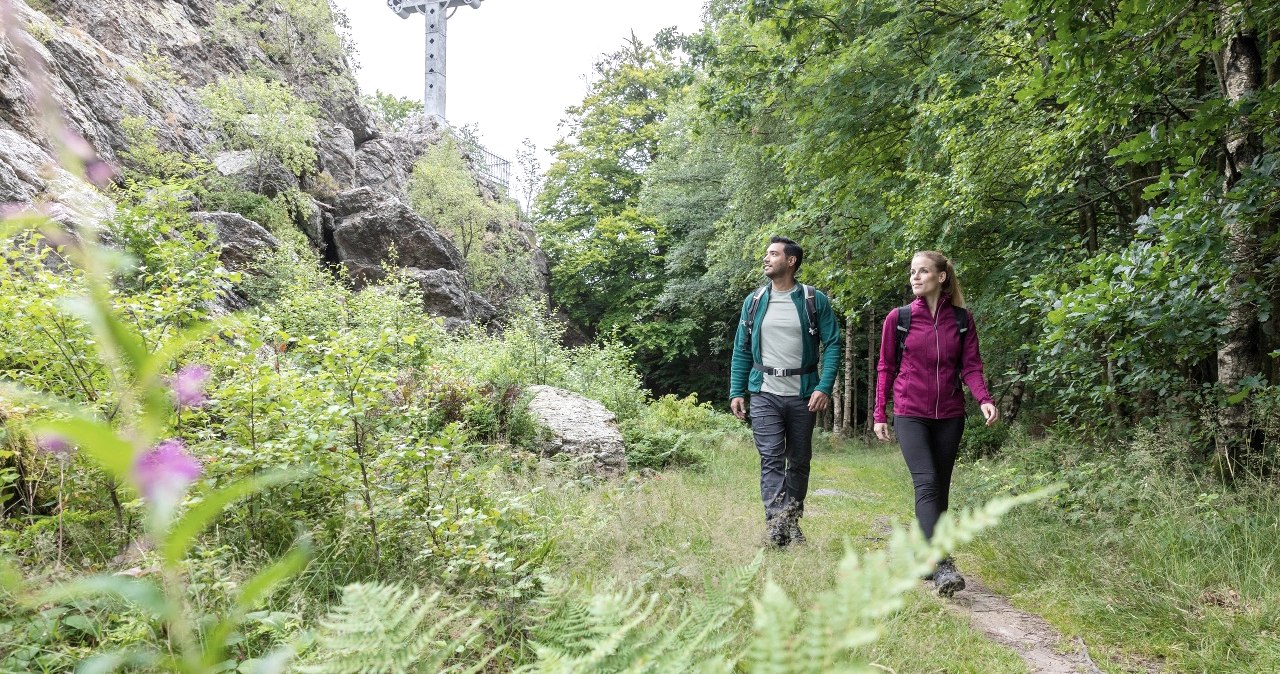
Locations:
{"points": [[266, 118]]}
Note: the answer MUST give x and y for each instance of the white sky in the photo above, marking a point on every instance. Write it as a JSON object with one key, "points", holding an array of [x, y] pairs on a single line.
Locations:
{"points": [[513, 66]]}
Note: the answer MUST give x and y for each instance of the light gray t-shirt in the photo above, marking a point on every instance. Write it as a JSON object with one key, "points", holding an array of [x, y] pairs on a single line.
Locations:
{"points": [[780, 343]]}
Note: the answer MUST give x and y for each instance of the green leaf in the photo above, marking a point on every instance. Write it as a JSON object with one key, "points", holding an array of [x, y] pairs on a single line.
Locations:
{"points": [[97, 439], [183, 533], [140, 593], [83, 624], [258, 587]]}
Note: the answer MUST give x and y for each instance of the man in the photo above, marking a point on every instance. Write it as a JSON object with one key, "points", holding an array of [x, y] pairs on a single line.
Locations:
{"points": [[775, 358]]}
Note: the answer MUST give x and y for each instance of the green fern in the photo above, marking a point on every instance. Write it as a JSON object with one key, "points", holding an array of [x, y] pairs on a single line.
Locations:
{"points": [[380, 629], [626, 631], [868, 589]]}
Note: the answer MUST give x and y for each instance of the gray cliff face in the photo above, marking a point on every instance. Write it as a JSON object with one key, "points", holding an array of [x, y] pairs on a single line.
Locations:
{"points": [[148, 59]]}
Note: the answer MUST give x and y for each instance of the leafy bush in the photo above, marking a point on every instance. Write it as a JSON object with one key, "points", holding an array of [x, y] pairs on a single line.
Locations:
{"points": [[264, 117], [444, 190], [981, 441], [673, 432]]}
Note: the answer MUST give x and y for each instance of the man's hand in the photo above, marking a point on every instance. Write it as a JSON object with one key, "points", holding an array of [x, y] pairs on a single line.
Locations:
{"points": [[882, 432], [818, 401], [739, 408]]}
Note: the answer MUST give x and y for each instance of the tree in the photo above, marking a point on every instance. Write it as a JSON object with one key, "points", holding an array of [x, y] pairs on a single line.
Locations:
{"points": [[606, 255]]}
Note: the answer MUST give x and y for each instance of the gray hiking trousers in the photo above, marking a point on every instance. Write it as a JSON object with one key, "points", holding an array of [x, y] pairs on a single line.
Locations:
{"points": [[783, 430]]}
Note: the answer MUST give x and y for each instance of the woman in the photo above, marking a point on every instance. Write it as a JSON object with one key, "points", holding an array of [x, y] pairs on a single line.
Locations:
{"points": [[939, 352]]}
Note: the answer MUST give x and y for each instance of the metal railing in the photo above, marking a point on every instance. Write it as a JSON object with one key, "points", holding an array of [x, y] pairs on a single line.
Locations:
{"points": [[491, 167]]}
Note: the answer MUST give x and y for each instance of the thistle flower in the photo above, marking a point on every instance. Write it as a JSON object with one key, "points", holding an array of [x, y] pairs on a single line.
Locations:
{"points": [[164, 472], [188, 385]]}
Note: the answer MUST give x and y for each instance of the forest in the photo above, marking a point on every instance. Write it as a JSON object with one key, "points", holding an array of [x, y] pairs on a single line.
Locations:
{"points": [[293, 464]]}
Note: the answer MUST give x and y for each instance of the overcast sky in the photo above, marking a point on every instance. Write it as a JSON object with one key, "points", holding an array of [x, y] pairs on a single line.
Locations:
{"points": [[513, 65]]}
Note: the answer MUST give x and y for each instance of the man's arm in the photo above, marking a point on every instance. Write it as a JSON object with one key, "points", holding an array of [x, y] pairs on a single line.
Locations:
{"points": [[830, 334], [740, 361]]}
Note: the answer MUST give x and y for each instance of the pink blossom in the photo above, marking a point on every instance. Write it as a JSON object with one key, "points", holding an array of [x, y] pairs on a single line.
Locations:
{"points": [[164, 472], [56, 445], [188, 385]]}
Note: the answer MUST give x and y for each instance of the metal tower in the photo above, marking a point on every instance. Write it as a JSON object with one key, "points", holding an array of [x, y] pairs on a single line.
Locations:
{"points": [[437, 15]]}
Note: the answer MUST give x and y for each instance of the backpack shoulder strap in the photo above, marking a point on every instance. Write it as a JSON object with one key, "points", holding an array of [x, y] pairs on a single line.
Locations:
{"points": [[904, 326], [749, 323], [962, 324], [811, 309]]}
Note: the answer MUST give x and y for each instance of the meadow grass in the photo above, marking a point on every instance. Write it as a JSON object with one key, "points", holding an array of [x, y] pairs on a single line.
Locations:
{"points": [[674, 532], [1148, 561]]}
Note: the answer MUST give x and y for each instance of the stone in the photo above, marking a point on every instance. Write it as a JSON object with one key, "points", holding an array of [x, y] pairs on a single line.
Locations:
{"points": [[240, 239], [579, 427], [368, 223], [386, 162]]}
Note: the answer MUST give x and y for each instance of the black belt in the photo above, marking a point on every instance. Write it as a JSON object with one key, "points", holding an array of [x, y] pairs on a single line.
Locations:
{"points": [[784, 372]]}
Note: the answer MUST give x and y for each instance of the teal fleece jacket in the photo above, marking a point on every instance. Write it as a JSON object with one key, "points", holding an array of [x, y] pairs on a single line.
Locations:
{"points": [[743, 379]]}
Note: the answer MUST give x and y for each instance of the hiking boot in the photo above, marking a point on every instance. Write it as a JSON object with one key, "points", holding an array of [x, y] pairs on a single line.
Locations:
{"points": [[946, 580], [791, 520], [793, 531], [777, 533]]}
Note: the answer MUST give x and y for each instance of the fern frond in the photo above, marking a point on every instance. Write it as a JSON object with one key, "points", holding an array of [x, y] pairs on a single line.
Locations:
{"points": [[382, 629], [626, 631]]}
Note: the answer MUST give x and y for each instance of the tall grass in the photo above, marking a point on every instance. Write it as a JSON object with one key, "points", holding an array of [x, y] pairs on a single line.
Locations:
{"points": [[1141, 554]]}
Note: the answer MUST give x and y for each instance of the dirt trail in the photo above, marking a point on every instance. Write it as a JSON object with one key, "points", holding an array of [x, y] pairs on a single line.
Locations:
{"points": [[1030, 636]]}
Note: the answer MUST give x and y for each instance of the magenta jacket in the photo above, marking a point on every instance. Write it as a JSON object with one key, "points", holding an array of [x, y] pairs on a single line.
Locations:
{"points": [[928, 385]]}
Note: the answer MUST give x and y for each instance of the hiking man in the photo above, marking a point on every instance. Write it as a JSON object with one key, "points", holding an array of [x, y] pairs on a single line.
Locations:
{"points": [[775, 358]]}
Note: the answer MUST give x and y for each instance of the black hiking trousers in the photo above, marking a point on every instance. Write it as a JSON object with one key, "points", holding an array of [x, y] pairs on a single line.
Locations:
{"points": [[783, 430], [929, 447]]}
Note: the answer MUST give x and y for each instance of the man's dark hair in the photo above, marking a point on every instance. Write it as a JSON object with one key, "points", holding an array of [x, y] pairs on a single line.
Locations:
{"points": [[790, 249]]}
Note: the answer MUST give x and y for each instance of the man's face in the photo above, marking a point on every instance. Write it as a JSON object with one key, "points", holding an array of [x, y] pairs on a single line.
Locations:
{"points": [[776, 262]]}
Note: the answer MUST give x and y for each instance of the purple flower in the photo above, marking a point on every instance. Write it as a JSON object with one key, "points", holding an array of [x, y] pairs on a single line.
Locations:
{"points": [[56, 445], [164, 472], [188, 385]]}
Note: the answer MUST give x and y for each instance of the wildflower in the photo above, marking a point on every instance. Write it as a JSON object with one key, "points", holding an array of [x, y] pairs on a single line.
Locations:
{"points": [[188, 385], [55, 445], [164, 472]]}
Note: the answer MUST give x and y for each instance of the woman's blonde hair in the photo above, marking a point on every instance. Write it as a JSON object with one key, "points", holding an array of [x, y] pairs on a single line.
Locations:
{"points": [[941, 263]]}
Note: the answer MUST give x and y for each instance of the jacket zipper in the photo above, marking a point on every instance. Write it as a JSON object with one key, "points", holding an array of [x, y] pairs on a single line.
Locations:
{"points": [[937, 366]]}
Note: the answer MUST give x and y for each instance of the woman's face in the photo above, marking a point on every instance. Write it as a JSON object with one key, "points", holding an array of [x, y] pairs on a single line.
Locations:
{"points": [[925, 278]]}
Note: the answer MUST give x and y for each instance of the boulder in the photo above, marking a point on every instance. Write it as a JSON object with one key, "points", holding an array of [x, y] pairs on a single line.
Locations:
{"points": [[336, 155], [367, 223], [241, 239], [580, 427], [264, 175], [386, 162]]}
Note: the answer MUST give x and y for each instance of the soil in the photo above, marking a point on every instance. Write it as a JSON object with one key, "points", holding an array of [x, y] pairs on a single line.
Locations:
{"points": [[1030, 636]]}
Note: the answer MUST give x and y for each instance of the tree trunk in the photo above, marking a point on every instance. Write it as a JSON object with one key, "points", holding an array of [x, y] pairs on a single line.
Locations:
{"points": [[837, 400], [850, 386], [1018, 391], [872, 360], [1239, 357]]}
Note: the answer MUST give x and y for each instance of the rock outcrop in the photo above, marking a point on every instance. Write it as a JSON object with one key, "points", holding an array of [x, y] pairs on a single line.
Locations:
{"points": [[147, 60], [580, 427], [369, 223], [240, 240]]}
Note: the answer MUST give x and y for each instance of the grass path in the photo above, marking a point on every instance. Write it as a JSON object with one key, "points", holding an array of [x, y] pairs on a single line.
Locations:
{"points": [[673, 531]]}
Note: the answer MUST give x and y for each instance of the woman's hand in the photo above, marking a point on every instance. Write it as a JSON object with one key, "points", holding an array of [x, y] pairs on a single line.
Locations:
{"points": [[991, 413], [882, 432]]}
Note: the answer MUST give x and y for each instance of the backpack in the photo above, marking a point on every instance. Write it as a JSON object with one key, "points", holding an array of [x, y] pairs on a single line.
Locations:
{"points": [[904, 325], [811, 310]]}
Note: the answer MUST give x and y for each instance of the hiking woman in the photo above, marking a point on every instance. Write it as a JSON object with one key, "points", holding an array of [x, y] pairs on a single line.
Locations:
{"points": [[939, 345]]}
